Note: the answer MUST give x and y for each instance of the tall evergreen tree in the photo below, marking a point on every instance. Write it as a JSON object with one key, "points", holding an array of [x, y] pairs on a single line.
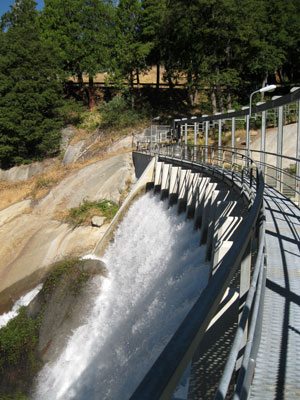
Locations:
{"points": [[131, 52], [153, 19], [82, 32], [29, 90]]}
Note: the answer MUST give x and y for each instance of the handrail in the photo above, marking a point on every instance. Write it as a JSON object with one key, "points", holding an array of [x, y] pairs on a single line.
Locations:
{"points": [[281, 101], [162, 379]]}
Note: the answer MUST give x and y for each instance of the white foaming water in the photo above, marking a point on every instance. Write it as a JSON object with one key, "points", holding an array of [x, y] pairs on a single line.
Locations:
{"points": [[23, 301], [156, 272]]}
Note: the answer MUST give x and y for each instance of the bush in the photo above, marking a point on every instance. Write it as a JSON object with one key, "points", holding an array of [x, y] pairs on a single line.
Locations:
{"points": [[18, 362], [83, 214], [118, 114], [71, 112]]}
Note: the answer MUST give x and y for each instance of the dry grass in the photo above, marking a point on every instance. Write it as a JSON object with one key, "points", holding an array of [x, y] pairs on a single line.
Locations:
{"points": [[146, 77], [11, 193]]}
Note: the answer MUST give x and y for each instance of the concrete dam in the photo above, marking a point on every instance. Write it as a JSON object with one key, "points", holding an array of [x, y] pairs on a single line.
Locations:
{"points": [[157, 270], [201, 296]]}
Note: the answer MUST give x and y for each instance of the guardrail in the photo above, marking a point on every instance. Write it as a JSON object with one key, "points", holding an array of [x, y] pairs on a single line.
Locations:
{"points": [[247, 169], [283, 110], [162, 379]]}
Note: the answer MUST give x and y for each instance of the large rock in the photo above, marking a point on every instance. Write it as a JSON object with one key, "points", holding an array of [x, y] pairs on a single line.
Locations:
{"points": [[21, 173], [105, 179], [31, 242], [73, 152], [64, 309], [67, 135]]}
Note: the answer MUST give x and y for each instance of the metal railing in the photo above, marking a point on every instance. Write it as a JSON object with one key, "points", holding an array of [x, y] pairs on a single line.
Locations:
{"points": [[162, 379], [248, 175], [279, 113]]}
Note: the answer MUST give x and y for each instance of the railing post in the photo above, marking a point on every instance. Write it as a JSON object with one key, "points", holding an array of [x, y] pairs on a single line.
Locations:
{"points": [[248, 139], [219, 139], [185, 140], [206, 139], [196, 129], [245, 280], [263, 141], [298, 155], [279, 149], [232, 140]]}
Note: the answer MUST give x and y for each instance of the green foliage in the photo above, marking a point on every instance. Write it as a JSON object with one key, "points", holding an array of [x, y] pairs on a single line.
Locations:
{"points": [[30, 92], [73, 268], [118, 114], [82, 33], [71, 112], [18, 362], [82, 214], [16, 396], [130, 50], [291, 169]]}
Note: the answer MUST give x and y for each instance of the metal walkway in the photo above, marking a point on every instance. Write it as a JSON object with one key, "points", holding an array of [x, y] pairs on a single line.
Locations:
{"points": [[277, 373]]}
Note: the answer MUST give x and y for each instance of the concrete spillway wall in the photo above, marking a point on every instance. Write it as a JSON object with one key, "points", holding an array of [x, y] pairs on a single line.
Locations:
{"points": [[214, 208]]}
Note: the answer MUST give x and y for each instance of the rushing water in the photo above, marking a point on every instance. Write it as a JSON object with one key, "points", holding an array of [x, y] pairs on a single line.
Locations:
{"points": [[156, 272], [23, 301]]}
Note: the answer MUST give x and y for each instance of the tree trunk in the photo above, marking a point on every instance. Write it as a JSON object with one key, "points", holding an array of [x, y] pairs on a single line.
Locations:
{"points": [[219, 91], [80, 79], [264, 82], [138, 77], [213, 100], [131, 90], [157, 75], [91, 93]]}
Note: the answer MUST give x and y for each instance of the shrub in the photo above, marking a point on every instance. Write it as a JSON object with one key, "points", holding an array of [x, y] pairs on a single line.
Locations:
{"points": [[18, 362], [82, 214], [118, 114]]}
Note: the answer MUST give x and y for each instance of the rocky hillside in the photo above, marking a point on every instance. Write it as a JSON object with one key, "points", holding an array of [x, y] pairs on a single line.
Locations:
{"points": [[34, 231]]}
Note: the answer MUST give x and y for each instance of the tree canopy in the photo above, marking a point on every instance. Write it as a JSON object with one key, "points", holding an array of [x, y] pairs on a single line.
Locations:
{"points": [[227, 47], [29, 90]]}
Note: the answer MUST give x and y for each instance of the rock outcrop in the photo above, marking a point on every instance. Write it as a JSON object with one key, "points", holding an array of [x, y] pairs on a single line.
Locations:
{"points": [[33, 236]]}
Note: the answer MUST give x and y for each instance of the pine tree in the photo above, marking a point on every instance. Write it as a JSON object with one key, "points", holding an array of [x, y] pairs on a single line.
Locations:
{"points": [[82, 31], [153, 18], [29, 90], [131, 52]]}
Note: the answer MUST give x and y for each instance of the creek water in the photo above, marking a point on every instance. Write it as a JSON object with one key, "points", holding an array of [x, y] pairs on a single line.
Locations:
{"points": [[156, 271]]}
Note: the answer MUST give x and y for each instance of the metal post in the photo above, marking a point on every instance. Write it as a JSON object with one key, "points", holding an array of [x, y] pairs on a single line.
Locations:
{"points": [[279, 149], [219, 141], [196, 128], [206, 140], [298, 156], [248, 139], [263, 141], [232, 140], [185, 140]]}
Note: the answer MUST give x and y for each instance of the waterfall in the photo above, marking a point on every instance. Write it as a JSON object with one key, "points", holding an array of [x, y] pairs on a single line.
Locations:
{"points": [[22, 301], [156, 271]]}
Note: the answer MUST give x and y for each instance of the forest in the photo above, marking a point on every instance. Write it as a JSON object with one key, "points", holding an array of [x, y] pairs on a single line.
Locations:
{"points": [[223, 47]]}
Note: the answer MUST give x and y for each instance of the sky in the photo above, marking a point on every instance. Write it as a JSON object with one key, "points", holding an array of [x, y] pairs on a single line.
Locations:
{"points": [[4, 5]]}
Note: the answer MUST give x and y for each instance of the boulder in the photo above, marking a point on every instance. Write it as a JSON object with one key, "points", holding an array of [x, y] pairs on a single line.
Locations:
{"points": [[67, 135], [63, 309], [73, 152], [98, 221]]}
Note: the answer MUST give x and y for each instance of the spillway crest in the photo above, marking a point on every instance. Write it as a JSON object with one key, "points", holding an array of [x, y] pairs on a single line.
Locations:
{"points": [[156, 272]]}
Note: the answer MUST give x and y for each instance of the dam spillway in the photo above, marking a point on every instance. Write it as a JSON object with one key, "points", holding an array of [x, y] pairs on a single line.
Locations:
{"points": [[156, 272]]}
